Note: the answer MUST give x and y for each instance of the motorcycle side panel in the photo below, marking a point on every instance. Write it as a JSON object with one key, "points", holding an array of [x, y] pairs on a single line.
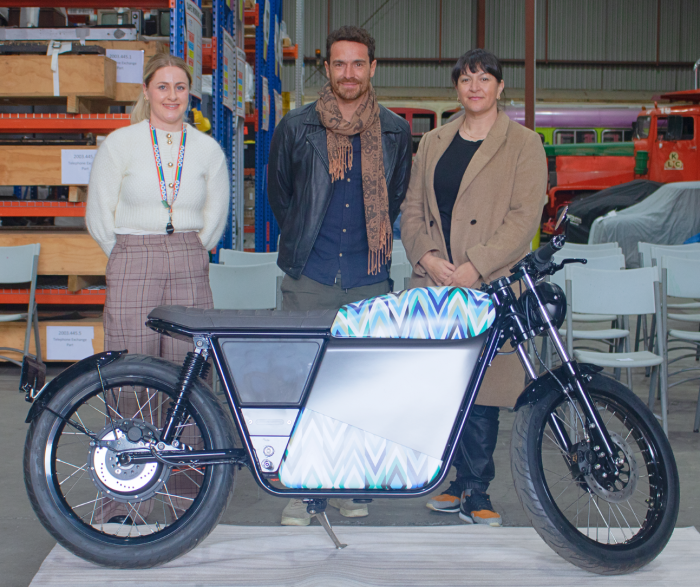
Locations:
{"points": [[272, 371], [380, 413], [325, 453]]}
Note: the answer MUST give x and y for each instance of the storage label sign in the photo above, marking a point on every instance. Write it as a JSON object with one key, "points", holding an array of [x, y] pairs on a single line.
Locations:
{"points": [[193, 46], [69, 343], [129, 65], [76, 165]]}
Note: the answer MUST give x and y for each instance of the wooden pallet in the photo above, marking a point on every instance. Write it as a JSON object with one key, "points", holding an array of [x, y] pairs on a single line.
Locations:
{"points": [[12, 335]]}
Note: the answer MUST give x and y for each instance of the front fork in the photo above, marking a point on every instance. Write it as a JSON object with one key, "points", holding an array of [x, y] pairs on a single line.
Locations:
{"points": [[593, 426]]}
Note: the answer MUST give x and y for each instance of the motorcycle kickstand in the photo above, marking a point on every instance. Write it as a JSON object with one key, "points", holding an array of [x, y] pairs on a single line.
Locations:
{"points": [[317, 509]]}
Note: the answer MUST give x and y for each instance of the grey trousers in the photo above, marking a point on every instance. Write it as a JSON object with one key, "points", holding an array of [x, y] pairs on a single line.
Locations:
{"points": [[305, 294]]}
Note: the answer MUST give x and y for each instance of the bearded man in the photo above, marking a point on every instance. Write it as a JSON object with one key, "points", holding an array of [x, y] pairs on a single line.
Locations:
{"points": [[337, 174]]}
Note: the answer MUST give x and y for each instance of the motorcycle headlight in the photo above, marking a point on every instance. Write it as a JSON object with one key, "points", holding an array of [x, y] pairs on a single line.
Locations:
{"points": [[554, 300]]}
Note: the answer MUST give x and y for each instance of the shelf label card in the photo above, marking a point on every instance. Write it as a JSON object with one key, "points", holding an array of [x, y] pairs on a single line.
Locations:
{"points": [[129, 65], [193, 46], [76, 165], [230, 80], [69, 343], [279, 107], [265, 105], [240, 82]]}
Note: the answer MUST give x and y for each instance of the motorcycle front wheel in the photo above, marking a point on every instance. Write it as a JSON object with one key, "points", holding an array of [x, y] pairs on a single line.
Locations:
{"points": [[603, 528], [133, 516]]}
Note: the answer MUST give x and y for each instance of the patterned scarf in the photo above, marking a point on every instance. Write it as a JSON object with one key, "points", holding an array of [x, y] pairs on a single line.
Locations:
{"points": [[365, 121]]}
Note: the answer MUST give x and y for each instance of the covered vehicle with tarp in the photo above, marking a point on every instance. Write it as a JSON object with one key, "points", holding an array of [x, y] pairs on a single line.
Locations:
{"points": [[583, 211], [669, 216]]}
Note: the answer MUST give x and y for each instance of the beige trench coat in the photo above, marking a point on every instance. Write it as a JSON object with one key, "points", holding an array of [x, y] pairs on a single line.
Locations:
{"points": [[495, 216]]}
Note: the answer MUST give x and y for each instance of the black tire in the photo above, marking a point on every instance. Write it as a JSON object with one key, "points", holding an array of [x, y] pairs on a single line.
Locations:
{"points": [[548, 490], [149, 537]]}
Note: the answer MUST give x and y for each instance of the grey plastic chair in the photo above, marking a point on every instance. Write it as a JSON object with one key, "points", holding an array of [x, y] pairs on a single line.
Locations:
{"points": [[19, 265], [627, 293], [234, 258], [680, 277], [244, 287]]}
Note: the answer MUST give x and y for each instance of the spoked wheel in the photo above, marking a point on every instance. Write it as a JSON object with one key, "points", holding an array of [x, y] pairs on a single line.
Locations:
{"points": [[603, 526], [112, 513]]}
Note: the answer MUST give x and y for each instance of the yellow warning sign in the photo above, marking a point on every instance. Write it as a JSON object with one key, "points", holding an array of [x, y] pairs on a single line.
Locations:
{"points": [[673, 163]]}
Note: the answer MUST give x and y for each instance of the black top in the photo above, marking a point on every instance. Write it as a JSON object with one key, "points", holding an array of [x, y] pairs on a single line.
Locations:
{"points": [[341, 244], [448, 176]]}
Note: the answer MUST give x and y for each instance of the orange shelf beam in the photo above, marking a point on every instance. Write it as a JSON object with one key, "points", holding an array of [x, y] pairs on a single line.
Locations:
{"points": [[54, 296], [16, 123], [290, 52], [108, 4], [252, 119], [25, 208], [252, 17]]}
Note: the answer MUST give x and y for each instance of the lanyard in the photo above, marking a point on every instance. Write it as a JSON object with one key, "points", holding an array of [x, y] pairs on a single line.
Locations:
{"points": [[161, 175]]}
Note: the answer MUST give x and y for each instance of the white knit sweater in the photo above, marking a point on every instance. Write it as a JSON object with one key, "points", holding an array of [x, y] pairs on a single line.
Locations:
{"points": [[124, 197]]}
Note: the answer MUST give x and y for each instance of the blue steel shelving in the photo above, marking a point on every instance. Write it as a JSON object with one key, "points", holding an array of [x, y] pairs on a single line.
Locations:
{"points": [[226, 128], [225, 124], [177, 35], [266, 228]]}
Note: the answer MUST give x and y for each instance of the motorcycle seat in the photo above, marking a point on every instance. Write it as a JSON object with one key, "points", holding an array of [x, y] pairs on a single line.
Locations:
{"points": [[199, 320]]}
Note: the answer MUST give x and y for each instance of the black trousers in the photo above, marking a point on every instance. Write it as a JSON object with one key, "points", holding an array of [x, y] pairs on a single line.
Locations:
{"points": [[474, 458]]}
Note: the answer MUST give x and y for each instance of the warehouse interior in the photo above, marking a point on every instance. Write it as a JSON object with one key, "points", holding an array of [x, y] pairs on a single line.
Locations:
{"points": [[611, 88]]}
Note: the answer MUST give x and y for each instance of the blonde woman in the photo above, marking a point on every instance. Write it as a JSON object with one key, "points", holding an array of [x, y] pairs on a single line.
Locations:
{"points": [[157, 202]]}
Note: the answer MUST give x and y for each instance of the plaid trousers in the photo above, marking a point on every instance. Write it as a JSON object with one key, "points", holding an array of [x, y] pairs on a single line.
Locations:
{"points": [[145, 271]]}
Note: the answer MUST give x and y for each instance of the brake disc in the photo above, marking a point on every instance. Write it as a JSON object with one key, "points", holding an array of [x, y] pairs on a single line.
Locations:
{"points": [[624, 485], [126, 483]]}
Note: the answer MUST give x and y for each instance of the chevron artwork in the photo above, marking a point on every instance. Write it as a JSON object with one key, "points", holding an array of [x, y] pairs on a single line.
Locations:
{"points": [[325, 453], [434, 313]]}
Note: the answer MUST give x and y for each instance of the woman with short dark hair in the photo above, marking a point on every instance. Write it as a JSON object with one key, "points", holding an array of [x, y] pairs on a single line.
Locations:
{"points": [[474, 202]]}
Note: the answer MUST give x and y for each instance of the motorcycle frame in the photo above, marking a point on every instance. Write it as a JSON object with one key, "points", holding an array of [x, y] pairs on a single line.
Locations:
{"points": [[508, 325]]}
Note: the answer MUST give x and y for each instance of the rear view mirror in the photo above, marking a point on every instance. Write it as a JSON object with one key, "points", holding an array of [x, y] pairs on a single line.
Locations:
{"points": [[561, 217]]}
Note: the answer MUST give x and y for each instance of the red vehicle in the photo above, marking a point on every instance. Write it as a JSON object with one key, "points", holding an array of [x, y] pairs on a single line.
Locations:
{"points": [[664, 149]]}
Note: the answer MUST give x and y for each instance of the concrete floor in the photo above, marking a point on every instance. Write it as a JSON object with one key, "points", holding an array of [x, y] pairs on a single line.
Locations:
{"points": [[24, 543]]}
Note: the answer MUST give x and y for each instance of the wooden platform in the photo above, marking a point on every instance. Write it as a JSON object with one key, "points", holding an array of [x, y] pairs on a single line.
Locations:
{"points": [[12, 335], [82, 76], [62, 253], [33, 165]]}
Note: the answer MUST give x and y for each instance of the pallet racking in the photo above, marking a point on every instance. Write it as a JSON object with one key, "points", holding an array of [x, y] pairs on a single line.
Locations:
{"points": [[227, 129]]}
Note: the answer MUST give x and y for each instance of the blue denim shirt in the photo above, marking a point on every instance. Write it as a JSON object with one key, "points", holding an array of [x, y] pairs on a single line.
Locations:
{"points": [[341, 244]]}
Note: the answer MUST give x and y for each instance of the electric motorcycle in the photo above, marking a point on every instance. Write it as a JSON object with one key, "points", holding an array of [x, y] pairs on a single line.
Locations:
{"points": [[130, 460]]}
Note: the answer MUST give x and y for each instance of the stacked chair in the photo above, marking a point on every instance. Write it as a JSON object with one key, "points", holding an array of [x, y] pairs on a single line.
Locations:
{"points": [[245, 281], [680, 278], [401, 268], [19, 265]]}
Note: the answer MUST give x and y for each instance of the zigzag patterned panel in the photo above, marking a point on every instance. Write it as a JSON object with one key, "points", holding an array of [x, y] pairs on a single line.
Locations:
{"points": [[325, 453], [435, 313]]}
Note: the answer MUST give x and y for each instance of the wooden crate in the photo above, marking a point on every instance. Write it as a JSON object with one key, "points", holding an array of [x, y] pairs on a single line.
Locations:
{"points": [[81, 76], [33, 165], [62, 253], [12, 335]]}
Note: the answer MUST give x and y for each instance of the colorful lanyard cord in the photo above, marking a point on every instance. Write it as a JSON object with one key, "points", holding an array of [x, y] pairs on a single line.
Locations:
{"points": [[161, 175]]}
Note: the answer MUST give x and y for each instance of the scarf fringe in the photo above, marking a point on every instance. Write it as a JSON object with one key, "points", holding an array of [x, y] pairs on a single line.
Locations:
{"points": [[340, 161], [381, 256]]}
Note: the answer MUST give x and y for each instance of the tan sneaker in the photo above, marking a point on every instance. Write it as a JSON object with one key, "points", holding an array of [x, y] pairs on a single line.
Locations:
{"points": [[349, 508], [447, 502], [295, 514]]}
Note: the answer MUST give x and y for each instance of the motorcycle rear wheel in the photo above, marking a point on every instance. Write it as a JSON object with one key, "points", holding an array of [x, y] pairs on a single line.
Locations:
{"points": [[77, 490], [602, 531]]}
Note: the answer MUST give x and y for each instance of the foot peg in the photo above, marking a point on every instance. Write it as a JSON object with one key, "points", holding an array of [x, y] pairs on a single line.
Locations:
{"points": [[317, 508]]}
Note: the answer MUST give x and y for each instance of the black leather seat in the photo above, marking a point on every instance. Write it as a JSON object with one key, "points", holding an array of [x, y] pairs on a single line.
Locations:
{"points": [[195, 319]]}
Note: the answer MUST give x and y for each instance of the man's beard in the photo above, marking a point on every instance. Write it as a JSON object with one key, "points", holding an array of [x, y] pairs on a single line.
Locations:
{"points": [[347, 94]]}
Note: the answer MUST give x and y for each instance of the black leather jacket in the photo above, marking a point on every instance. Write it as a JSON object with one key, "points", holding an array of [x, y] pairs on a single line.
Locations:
{"points": [[299, 185]]}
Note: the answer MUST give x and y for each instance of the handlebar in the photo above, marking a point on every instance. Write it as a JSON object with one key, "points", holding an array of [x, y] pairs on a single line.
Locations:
{"points": [[542, 256]]}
